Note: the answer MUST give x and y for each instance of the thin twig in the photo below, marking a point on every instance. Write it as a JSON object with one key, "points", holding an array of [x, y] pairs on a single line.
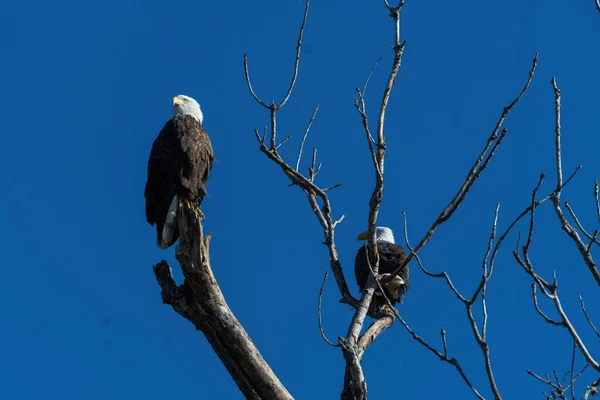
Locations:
{"points": [[596, 196], [442, 274], [539, 310], [305, 135], [258, 100], [362, 110], [319, 312], [557, 136], [364, 90], [443, 333], [443, 357], [282, 142], [587, 317], [311, 170], [339, 221], [571, 383], [581, 228], [297, 62], [485, 275], [337, 185], [480, 337], [557, 391]]}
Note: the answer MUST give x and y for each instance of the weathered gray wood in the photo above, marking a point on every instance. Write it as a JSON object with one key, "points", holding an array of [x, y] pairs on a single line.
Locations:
{"points": [[199, 300]]}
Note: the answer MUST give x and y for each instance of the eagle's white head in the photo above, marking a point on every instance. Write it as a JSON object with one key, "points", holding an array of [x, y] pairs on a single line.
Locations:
{"points": [[185, 105], [381, 233]]}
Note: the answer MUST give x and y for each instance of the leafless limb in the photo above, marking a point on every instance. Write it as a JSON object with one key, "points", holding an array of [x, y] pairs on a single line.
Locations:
{"points": [[596, 197], [199, 300], [572, 381], [556, 389], [566, 226], [358, 387], [479, 335], [550, 290], [443, 334], [442, 356], [378, 154], [319, 312], [592, 238], [274, 107], [592, 389], [361, 108], [282, 142], [355, 385], [442, 274], [313, 192], [598, 5], [587, 317], [487, 266], [489, 150], [337, 185], [305, 135], [539, 310]]}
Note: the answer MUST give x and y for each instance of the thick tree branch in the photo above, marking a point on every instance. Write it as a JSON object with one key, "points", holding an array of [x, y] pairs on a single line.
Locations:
{"points": [[199, 300], [592, 238]]}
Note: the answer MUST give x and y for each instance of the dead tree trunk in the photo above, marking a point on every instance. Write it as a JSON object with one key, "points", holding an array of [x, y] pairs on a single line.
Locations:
{"points": [[199, 299]]}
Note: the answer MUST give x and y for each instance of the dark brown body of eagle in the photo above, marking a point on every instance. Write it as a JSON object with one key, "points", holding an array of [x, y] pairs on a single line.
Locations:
{"points": [[179, 165], [390, 257]]}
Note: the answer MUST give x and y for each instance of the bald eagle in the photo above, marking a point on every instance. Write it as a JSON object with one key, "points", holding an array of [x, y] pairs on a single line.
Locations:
{"points": [[178, 168], [391, 256]]}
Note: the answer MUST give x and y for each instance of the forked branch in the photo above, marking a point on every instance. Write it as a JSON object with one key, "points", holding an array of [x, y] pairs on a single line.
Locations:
{"points": [[479, 333], [566, 226], [352, 345], [482, 161], [550, 291], [313, 192], [199, 300]]}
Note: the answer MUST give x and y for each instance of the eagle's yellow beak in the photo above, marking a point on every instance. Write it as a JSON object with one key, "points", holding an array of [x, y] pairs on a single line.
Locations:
{"points": [[362, 236], [177, 101]]}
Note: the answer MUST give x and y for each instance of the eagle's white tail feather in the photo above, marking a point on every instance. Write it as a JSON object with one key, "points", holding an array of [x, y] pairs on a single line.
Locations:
{"points": [[170, 224]]}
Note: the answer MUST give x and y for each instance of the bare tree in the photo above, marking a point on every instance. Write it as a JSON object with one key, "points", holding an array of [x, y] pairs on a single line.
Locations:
{"points": [[200, 300]]}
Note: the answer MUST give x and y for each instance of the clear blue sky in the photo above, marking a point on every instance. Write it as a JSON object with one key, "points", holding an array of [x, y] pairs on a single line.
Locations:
{"points": [[86, 88]]}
